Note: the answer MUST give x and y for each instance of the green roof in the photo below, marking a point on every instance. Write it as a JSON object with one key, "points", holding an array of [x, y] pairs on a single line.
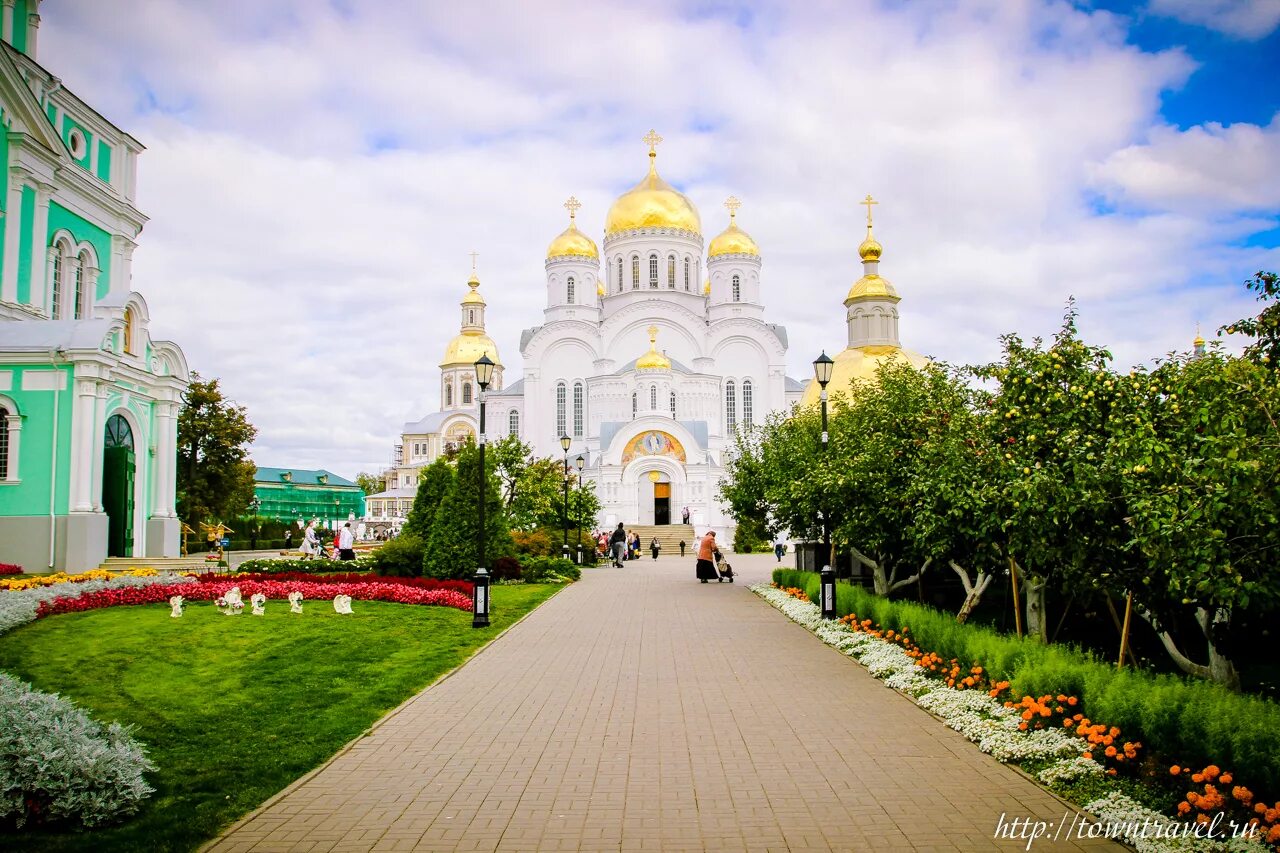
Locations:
{"points": [[301, 476]]}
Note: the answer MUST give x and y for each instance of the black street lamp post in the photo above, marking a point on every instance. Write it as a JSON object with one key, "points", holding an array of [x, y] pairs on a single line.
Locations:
{"points": [[822, 367], [254, 505], [480, 594], [579, 462], [565, 441]]}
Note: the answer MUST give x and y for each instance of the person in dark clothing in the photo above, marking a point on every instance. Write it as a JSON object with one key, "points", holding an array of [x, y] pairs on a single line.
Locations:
{"points": [[682, 547], [654, 547], [707, 551], [618, 543]]}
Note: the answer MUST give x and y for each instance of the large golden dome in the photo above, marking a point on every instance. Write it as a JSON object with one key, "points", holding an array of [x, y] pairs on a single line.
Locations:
{"points": [[872, 286], [467, 348], [859, 364], [733, 240], [652, 203], [572, 242]]}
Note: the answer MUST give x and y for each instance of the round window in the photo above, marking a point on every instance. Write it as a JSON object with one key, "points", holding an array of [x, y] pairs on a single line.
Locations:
{"points": [[76, 142]]}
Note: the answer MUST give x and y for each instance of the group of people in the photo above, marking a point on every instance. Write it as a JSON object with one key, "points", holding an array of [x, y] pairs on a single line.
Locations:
{"points": [[624, 544], [344, 542]]}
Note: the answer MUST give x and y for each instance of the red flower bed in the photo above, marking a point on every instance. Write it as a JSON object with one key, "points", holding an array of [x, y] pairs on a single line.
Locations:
{"points": [[464, 587], [10, 569], [213, 590]]}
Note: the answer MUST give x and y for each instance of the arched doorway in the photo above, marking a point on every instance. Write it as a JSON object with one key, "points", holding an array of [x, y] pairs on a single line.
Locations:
{"points": [[655, 498], [118, 470]]}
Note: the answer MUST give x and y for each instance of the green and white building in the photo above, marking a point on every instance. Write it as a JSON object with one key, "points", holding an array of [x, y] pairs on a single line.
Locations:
{"points": [[88, 401], [297, 494]]}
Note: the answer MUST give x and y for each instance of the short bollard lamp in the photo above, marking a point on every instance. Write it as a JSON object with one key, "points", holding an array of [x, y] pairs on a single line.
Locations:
{"points": [[828, 592], [480, 599]]}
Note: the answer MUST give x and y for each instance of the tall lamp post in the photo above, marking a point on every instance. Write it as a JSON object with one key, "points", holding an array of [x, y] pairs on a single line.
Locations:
{"points": [[254, 505], [480, 596], [580, 462], [822, 367], [565, 441]]}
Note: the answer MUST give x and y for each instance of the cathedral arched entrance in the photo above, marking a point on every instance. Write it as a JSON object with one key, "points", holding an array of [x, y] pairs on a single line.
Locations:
{"points": [[657, 483], [119, 470]]}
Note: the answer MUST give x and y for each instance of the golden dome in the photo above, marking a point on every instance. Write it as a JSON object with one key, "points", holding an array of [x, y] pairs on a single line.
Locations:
{"points": [[653, 360], [467, 348], [870, 249], [572, 242], [733, 240], [652, 203], [859, 364], [600, 287], [872, 286], [706, 288]]}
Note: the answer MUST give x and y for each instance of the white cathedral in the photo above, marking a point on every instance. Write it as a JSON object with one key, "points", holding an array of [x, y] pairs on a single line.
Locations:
{"points": [[648, 365]]}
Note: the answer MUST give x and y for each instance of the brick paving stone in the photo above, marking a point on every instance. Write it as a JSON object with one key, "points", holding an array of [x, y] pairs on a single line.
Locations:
{"points": [[639, 710]]}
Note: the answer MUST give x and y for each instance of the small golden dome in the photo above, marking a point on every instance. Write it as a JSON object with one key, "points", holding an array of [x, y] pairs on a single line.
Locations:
{"points": [[572, 242], [473, 296], [870, 249], [652, 203], [872, 286], [600, 287], [859, 364], [733, 240], [653, 360], [467, 348], [706, 288]]}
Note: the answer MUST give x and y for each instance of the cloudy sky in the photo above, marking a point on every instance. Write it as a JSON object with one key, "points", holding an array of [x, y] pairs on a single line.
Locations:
{"points": [[317, 172]]}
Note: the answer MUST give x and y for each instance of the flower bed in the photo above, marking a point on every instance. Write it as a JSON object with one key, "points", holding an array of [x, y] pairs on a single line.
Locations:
{"points": [[1040, 732], [10, 569], [363, 563], [464, 587], [18, 607], [31, 581], [215, 589]]}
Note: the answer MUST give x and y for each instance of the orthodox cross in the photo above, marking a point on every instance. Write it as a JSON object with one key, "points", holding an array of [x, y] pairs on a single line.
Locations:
{"points": [[653, 336], [652, 139], [474, 255], [868, 201], [572, 206], [732, 204]]}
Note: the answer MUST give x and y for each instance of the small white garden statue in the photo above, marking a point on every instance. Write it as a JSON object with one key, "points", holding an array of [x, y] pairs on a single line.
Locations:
{"points": [[257, 600], [342, 604], [231, 603], [295, 602], [175, 602]]}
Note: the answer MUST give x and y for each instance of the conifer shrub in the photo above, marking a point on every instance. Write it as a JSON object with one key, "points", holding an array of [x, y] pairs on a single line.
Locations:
{"points": [[453, 549], [549, 570], [400, 558]]}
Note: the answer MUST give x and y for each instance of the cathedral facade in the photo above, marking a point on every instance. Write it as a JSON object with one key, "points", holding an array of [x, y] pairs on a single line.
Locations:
{"points": [[653, 350]]}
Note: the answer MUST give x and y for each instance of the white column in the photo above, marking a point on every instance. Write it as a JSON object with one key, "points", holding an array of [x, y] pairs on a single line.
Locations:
{"points": [[18, 178], [33, 26], [6, 20], [83, 427], [164, 471], [99, 446], [40, 239], [126, 283], [41, 300], [91, 289]]}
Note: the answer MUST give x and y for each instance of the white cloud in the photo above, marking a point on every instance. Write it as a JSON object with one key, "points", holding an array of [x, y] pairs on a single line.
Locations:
{"points": [[1246, 19], [319, 274]]}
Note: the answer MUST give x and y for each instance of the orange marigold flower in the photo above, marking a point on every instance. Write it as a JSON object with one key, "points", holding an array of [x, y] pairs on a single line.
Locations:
{"points": [[1242, 794], [1226, 778], [1115, 732], [1260, 808], [1197, 778], [1062, 697], [1175, 770], [1071, 700], [1192, 797], [1068, 723], [1111, 771], [1211, 772], [1274, 835], [1184, 807], [1022, 727], [1111, 752], [1088, 755]]}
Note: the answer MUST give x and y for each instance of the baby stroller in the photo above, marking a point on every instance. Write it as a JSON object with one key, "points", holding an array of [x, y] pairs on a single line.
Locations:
{"points": [[723, 568]]}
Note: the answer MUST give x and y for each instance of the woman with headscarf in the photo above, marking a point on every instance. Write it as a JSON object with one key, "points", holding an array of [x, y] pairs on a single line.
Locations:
{"points": [[707, 552]]}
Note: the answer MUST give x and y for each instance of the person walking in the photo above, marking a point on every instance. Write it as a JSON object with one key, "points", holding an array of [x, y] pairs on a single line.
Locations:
{"points": [[707, 552], [618, 542], [654, 547], [635, 545], [310, 541], [288, 538], [779, 548], [682, 547], [346, 543]]}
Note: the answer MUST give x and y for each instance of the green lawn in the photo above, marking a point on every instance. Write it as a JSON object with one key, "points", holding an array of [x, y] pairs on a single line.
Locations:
{"points": [[232, 709]]}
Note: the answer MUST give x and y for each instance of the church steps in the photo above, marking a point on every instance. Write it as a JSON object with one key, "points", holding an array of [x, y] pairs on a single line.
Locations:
{"points": [[194, 563], [669, 536]]}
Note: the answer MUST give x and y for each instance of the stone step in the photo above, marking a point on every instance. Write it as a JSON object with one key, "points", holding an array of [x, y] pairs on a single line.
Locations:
{"points": [[668, 535], [193, 563]]}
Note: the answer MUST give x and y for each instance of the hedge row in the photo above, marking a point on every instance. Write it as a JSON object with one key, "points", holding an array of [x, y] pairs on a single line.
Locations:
{"points": [[1187, 721]]}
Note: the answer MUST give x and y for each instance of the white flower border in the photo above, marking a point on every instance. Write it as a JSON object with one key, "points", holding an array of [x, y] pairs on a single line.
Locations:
{"points": [[19, 606], [987, 722]]}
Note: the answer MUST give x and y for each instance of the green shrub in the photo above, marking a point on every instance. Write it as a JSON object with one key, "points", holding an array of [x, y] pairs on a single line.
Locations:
{"points": [[533, 543], [401, 557], [506, 569], [359, 564], [749, 536], [548, 570], [1186, 721]]}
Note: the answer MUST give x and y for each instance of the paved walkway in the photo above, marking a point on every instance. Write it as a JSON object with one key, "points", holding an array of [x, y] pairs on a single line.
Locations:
{"points": [[640, 710]]}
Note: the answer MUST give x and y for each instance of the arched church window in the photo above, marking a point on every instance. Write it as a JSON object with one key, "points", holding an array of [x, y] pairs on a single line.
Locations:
{"points": [[673, 405], [55, 306], [560, 404], [730, 406], [635, 405], [569, 290], [77, 277], [635, 272], [448, 393], [578, 409], [466, 393], [4, 443], [653, 271], [686, 275], [618, 286], [671, 272], [653, 397], [737, 289], [513, 422], [748, 403]]}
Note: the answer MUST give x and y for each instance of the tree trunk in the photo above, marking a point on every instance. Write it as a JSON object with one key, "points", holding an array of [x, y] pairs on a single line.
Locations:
{"points": [[1220, 668], [973, 590], [885, 584], [1037, 624]]}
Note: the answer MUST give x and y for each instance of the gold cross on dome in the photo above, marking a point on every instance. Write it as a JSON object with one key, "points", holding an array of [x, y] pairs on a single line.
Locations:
{"points": [[474, 255], [653, 335], [868, 201], [572, 206], [652, 139], [732, 204]]}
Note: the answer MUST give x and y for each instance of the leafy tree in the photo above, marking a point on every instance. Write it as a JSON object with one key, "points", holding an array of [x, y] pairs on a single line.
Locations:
{"points": [[369, 483], [1266, 326], [453, 550], [434, 483], [1200, 453], [533, 488], [215, 474], [766, 480]]}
